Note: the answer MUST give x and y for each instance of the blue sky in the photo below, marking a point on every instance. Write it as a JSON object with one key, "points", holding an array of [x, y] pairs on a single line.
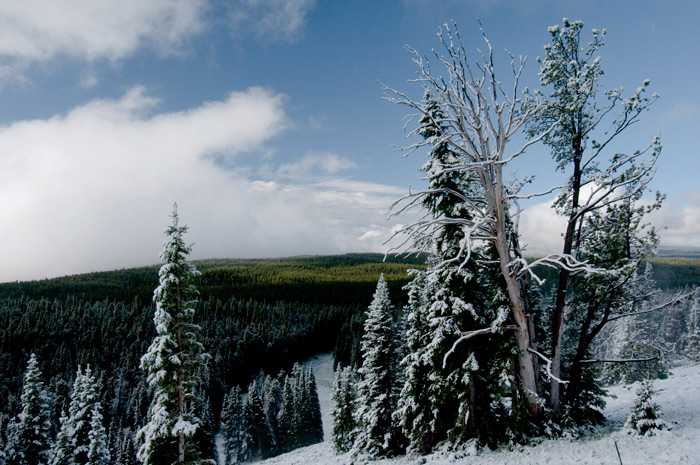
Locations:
{"points": [[265, 120]]}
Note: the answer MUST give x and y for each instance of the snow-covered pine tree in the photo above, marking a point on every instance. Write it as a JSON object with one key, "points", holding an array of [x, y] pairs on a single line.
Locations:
{"points": [[645, 418], [235, 435], [606, 237], [204, 437], [59, 454], [98, 450], [315, 420], [377, 433], [289, 416], [263, 443], [30, 442], [692, 346], [271, 396], [176, 361], [415, 411], [344, 399], [309, 409], [451, 391], [74, 438]]}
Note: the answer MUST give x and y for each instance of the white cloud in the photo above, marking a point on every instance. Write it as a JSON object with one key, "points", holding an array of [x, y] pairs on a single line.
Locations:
{"points": [[315, 163], [35, 30], [678, 220], [541, 228], [275, 20], [92, 189]]}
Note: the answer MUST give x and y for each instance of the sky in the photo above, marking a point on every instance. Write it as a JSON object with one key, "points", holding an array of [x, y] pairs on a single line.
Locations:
{"points": [[266, 121]]}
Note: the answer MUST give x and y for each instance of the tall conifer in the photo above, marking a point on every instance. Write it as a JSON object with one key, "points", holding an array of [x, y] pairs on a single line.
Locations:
{"points": [[377, 433], [233, 431], [345, 398], [176, 361]]}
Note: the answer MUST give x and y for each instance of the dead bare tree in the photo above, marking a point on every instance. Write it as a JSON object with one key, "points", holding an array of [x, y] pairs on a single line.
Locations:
{"points": [[478, 119]]}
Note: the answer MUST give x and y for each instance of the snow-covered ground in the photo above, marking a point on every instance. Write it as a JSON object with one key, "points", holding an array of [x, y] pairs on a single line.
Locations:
{"points": [[678, 397]]}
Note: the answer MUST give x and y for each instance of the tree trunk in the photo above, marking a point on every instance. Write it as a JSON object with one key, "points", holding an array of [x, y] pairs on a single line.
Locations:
{"points": [[526, 366], [181, 448], [562, 287]]}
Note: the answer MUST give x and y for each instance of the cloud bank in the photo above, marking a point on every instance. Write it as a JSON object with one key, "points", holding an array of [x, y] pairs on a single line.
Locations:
{"points": [[92, 189], [677, 222]]}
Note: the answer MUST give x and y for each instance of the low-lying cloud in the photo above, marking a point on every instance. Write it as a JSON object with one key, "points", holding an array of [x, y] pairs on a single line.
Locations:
{"points": [[92, 189]]}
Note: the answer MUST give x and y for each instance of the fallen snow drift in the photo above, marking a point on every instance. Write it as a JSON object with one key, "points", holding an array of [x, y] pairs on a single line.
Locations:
{"points": [[679, 399]]}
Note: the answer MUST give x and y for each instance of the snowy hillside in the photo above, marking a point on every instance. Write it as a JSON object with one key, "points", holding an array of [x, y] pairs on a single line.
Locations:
{"points": [[678, 397]]}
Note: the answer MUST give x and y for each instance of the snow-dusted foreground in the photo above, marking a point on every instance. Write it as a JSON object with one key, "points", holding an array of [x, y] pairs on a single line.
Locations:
{"points": [[678, 397]]}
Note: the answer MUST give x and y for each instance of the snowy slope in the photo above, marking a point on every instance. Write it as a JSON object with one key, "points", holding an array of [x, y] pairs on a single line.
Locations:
{"points": [[678, 396]]}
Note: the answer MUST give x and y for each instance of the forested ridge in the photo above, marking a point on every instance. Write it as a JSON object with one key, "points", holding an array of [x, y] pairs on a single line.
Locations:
{"points": [[333, 279], [255, 315]]}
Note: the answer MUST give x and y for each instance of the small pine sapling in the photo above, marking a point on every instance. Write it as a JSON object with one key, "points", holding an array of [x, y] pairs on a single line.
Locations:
{"points": [[645, 417]]}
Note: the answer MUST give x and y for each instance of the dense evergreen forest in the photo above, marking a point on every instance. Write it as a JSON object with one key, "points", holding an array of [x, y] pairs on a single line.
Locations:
{"points": [[256, 316]]}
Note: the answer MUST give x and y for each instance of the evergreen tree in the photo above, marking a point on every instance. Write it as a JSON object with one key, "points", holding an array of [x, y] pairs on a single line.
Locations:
{"points": [[263, 441], [235, 435], [126, 453], [204, 437], [452, 392], [344, 398], [580, 125], [289, 417], [691, 348], [30, 442], [314, 421], [272, 397], [645, 416], [416, 413], [98, 451], [377, 434], [61, 448], [176, 362], [308, 409], [76, 435]]}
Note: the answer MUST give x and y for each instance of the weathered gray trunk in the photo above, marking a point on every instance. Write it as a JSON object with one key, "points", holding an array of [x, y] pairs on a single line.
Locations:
{"points": [[526, 366]]}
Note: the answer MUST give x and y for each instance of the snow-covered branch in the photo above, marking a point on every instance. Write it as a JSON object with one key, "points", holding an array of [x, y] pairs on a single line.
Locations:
{"points": [[465, 336], [566, 261], [548, 366]]}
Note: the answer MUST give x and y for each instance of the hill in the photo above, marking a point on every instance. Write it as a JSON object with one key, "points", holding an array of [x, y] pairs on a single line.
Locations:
{"points": [[347, 279]]}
